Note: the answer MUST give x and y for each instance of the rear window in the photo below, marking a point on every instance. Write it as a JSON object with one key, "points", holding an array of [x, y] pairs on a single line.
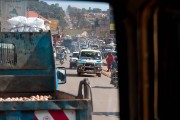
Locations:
{"points": [[108, 47]]}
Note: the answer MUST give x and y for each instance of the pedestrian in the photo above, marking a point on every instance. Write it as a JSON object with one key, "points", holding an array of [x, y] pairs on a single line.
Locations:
{"points": [[109, 60]]}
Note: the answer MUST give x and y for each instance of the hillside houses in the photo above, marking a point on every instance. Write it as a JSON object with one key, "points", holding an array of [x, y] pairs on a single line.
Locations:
{"points": [[35, 14], [93, 16]]}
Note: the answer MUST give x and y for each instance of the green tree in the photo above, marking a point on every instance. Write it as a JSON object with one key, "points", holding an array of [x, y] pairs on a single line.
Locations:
{"points": [[62, 22]]}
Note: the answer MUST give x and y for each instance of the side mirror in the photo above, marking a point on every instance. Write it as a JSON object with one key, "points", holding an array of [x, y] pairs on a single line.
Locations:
{"points": [[70, 56], [60, 75], [78, 57]]}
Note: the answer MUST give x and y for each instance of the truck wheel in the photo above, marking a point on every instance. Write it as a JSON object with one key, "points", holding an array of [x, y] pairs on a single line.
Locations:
{"points": [[70, 66], [79, 74], [99, 74]]}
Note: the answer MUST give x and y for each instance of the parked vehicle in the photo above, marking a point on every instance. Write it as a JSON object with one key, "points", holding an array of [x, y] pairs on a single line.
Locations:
{"points": [[90, 62], [73, 59]]}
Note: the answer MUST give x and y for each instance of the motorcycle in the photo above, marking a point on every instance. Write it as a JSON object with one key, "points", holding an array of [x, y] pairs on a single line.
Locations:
{"points": [[65, 56], [61, 59], [114, 78]]}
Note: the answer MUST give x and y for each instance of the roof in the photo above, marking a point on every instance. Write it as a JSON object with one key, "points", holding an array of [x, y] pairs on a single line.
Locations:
{"points": [[35, 14], [90, 50]]}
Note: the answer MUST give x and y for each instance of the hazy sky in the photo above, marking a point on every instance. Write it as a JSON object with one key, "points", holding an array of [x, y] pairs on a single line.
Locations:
{"points": [[86, 5]]}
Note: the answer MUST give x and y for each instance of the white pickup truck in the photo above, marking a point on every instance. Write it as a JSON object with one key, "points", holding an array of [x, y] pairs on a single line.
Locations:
{"points": [[90, 62]]}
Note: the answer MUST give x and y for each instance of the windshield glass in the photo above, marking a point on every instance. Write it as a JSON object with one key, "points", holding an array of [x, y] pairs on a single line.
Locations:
{"points": [[95, 46], [108, 47], [75, 54], [89, 54]]}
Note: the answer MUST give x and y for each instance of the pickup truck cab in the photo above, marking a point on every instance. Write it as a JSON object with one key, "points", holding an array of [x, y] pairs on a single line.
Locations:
{"points": [[90, 62]]}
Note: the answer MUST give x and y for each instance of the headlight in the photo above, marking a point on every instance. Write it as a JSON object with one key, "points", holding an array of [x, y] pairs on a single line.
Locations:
{"points": [[73, 60]]}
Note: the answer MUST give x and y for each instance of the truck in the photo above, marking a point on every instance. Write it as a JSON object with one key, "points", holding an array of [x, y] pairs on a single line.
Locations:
{"points": [[89, 62], [30, 80]]}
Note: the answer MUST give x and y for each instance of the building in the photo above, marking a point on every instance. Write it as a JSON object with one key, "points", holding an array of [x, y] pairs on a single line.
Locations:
{"points": [[54, 24], [35, 14], [9, 10]]}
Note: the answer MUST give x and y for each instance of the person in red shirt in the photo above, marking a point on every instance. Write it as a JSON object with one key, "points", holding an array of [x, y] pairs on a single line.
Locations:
{"points": [[109, 61]]}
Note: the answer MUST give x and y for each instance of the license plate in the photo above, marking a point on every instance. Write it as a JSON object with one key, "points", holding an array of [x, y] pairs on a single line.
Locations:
{"points": [[90, 70]]}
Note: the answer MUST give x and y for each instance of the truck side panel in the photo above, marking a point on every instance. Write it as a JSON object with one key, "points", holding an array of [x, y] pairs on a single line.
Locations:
{"points": [[26, 59], [39, 115]]}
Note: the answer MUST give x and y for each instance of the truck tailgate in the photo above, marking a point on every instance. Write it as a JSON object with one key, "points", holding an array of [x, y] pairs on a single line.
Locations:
{"points": [[63, 106]]}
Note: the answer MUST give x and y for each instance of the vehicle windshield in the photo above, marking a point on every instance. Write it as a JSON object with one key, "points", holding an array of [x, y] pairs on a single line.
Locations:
{"points": [[75, 54], [92, 55], [96, 46], [108, 47], [83, 46]]}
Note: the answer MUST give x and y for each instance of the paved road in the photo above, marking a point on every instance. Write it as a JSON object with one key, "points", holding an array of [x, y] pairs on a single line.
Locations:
{"points": [[105, 96]]}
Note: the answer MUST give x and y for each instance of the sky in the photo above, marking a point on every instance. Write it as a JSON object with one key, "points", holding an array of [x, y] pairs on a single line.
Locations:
{"points": [[86, 5]]}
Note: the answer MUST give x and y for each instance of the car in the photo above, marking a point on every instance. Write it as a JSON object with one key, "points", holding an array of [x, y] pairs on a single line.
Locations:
{"points": [[95, 47], [73, 59], [84, 47], [89, 62]]}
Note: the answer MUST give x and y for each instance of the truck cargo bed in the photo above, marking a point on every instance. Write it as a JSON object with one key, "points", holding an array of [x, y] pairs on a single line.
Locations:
{"points": [[60, 100]]}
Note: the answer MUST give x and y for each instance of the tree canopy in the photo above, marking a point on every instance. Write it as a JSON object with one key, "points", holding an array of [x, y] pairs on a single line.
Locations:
{"points": [[48, 11]]}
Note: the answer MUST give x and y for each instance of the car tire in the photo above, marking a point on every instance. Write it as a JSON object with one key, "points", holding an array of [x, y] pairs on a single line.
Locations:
{"points": [[99, 74], [79, 74], [70, 66]]}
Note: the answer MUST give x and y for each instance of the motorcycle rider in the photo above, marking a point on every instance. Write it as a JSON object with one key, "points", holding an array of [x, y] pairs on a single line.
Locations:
{"points": [[65, 54], [61, 57], [114, 74]]}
